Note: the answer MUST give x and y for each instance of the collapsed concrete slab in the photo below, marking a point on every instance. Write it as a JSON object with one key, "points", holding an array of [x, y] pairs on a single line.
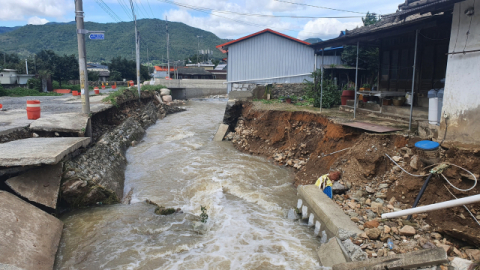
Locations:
{"points": [[331, 253], [37, 151], [30, 237], [39, 185], [328, 212], [410, 260], [65, 122], [222, 130]]}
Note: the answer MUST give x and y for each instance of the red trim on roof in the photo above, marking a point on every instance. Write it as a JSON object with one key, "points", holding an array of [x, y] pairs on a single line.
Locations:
{"points": [[157, 68], [223, 47]]}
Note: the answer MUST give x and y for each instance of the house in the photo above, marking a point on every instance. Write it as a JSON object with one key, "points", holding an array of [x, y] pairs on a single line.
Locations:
{"points": [[102, 70], [191, 73], [219, 72], [161, 72], [11, 77], [267, 57], [428, 45], [206, 66]]}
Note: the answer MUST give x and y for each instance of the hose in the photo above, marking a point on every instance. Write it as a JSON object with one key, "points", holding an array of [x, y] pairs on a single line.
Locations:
{"points": [[463, 190], [414, 175]]}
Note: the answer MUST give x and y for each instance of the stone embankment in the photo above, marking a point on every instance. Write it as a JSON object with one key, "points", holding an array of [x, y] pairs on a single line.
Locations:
{"points": [[312, 145], [50, 173]]}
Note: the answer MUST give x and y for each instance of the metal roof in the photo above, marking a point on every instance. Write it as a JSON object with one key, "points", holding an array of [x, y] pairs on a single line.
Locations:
{"points": [[224, 47]]}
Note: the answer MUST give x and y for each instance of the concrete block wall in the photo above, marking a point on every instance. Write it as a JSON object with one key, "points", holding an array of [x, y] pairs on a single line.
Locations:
{"points": [[243, 86]]}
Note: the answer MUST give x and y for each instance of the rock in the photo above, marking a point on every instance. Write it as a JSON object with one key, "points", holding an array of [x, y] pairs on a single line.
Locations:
{"points": [[355, 219], [407, 230], [199, 227], [386, 229], [377, 207], [460, 264], [165, 92], [383, 186], [380, 195], [380, 201], [435, 235], [338, 188], [447, 248], [354, 251], [396, 158], [352, 204], [369, 189], [373, 234], [371, 224], [428, 245], [371, 214], [167, 98], [473, 254], [394, 230], [415, 162]]}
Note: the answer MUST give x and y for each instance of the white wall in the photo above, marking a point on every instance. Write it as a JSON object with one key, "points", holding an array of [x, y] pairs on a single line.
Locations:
{"points": [[461, 102]]}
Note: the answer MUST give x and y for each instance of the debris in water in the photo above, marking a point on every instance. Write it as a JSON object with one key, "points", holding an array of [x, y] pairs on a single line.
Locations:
{"points": [[160, 210]]}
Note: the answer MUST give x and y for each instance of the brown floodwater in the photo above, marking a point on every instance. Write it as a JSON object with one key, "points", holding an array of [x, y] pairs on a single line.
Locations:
{"points": [[178, 165]]}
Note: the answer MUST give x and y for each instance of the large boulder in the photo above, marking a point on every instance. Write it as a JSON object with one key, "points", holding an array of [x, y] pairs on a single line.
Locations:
{"points": [[165, 92], [167, 98]]}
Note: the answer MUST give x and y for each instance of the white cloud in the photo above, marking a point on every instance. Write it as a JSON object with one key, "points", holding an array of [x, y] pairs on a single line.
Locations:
{"points": [[37, 20], [17, 10], [326, 28]]}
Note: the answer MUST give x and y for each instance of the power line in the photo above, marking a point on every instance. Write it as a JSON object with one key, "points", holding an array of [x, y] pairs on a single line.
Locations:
{"points": [[145, 11], [301, 4], [260, 15], [124, 7], [148, 2], [109, 11], [204, 10]]}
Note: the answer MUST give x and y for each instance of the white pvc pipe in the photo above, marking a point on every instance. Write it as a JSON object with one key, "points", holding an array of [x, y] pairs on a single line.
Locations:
{"points": [[271, 78], [433, 207]]}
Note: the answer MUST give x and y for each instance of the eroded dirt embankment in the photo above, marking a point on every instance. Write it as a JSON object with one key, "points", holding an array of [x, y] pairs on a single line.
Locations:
{"points": [[304, 141]]}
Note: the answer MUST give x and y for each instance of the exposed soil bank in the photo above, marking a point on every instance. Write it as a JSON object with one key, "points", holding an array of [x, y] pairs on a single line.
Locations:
{"points": [[301, 139]]}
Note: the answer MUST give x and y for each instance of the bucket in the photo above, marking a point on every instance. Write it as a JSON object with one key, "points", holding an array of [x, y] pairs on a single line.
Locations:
{"points": [[74, 93], [103, 86], [33, 109], [131, 83], [1, 106], [97, 91], [347, 95], [428, 151]]}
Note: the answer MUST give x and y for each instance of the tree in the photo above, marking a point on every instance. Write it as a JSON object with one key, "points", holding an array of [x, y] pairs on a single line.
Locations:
{"points": [[367, 57], [62, 68], [127, 69]]}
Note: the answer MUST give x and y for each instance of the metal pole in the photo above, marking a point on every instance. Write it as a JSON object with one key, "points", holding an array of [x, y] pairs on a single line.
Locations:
{"points": [[168, 41], [356, 83], [26, 65], [82, 57], [137, 47], [321, 83], [422, 190], [413, 80]]}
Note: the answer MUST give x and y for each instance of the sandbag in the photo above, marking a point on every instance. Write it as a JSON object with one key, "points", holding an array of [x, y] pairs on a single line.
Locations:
{"points": [[165, 92]]}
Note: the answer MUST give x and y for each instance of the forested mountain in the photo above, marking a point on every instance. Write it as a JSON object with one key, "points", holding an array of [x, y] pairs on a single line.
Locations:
{"points": [[5, 29], [119, 40]]}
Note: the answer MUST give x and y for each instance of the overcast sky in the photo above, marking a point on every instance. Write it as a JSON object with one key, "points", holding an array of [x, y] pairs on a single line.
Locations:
{"points": [[224, 25]]}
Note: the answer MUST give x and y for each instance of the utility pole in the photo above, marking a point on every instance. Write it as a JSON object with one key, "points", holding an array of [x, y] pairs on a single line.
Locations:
{"points": [[198, 48], [26, 65], [82, 61], [168, 41], [137, 40]]}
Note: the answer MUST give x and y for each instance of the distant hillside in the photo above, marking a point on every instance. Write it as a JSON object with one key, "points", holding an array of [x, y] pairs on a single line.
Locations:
{"points": [[5, 29], [119, 40], [313, 40]]}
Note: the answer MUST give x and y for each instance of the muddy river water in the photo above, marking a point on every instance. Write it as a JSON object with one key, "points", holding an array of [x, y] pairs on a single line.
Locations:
{"points": [[178, 165]]}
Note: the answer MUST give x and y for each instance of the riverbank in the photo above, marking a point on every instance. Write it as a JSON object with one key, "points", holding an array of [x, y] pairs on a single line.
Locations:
{"points": [[313, 144]]}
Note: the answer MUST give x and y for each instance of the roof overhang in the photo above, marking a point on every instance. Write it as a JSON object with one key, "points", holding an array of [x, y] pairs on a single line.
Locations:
{"points": [[372, 34]]}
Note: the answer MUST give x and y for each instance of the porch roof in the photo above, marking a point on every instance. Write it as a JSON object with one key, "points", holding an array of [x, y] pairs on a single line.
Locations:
{"points": [[389, 25]]}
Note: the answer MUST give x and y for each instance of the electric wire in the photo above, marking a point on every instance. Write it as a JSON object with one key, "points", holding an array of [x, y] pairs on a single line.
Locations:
{"points": [[235, 20], [302, 4], [468, 210], [113, 12], [108, 10], [257, 14], [468, 31], [125, 8], [151, 11], [143, 6], [414, 175]]}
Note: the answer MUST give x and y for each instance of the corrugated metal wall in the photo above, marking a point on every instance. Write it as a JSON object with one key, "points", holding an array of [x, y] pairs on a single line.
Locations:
{"points": [[266, 56], [329, 60]]}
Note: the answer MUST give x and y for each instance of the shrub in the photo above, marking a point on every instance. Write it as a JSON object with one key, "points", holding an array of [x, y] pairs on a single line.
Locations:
{"points": [[331, 95]]}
